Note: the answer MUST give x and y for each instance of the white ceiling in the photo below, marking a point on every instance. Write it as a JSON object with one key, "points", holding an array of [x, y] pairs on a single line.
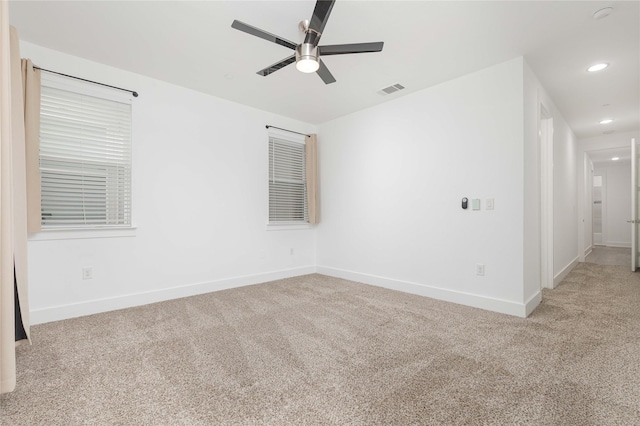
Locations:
{"points": [[193, 45]]}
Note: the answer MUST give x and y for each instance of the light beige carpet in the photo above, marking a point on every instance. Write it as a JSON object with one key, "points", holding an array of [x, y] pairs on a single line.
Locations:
{"points": [[319, 350]]}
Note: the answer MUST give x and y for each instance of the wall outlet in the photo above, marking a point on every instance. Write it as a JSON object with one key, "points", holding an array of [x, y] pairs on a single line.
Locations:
{"points": [[480, 269], [87, 273]]}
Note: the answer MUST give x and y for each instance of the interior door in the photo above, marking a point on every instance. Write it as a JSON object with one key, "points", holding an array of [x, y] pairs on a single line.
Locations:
{"points": [[597, 213], [635, 185]]}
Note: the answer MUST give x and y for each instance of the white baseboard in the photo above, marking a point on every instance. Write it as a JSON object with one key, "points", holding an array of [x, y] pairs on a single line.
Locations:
{"points": [[618, 244], [565, 271], [588, 251], [56, 313], [468, 299]]}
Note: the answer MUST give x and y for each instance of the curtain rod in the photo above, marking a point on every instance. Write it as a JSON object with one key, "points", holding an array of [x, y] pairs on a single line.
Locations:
{"points": [[135, 94], [290, 131]]}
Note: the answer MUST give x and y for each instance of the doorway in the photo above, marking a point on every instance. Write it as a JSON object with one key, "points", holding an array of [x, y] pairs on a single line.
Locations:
{"points": [[611, 193]]}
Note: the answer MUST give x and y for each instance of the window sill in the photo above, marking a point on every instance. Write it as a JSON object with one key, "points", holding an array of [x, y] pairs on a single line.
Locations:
{"points": [[74, 234], [288, 226]]}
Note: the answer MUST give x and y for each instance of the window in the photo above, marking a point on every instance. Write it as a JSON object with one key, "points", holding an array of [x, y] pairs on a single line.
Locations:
{"points": [[85, 158], [287, 181]]}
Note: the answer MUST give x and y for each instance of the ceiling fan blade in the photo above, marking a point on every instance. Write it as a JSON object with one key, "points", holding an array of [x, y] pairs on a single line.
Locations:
{"points": [[278, 65], [318, 21], [262, 34], [343, 49], [325, 74]]}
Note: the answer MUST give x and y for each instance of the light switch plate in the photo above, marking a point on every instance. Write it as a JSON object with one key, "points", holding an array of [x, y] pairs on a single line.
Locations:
{"points": [[489, 203], [87, 273], [475, 204]]}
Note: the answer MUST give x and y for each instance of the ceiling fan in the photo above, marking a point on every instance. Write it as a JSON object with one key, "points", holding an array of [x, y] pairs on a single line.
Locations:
{"points": [[307, 54]]}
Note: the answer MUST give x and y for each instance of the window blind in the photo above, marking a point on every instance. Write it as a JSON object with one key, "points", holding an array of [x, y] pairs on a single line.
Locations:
{"points": [[287, 182], [85, 160]]}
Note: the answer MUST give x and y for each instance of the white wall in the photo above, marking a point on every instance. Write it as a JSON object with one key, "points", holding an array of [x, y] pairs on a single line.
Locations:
{"points": [[617, 204], [392, 180], [565, 184], [532, 190], [565, 226], [200, 205]]}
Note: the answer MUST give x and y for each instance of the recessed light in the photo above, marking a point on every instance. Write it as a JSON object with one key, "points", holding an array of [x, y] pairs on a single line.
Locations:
{"points": [[597, 67], [615, 158], [607, 121], [602, 13]]}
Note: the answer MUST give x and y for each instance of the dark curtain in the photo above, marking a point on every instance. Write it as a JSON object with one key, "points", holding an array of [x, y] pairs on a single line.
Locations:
{"points": [[20, 333]]}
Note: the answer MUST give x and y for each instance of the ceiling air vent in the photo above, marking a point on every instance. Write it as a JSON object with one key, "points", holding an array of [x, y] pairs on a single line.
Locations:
{"points": [[390, 89]]}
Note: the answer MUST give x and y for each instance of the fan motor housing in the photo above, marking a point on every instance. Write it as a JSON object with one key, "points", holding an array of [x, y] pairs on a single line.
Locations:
{"points": [[306, 51]]}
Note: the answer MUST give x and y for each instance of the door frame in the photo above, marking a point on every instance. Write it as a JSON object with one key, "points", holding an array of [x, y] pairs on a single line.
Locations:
{"points": [[545, 144], [634, 205]]}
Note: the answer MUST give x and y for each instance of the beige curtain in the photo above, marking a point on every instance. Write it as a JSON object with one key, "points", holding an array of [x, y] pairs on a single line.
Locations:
{"points": [[31, 96], [19, 130], [311, 150], [7, 300], [17, 120]]}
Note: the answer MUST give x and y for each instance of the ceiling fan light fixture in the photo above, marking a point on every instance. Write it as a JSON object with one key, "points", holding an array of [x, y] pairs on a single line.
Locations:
{"points": [[307, 65], [307, 55], [307, 58]]}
